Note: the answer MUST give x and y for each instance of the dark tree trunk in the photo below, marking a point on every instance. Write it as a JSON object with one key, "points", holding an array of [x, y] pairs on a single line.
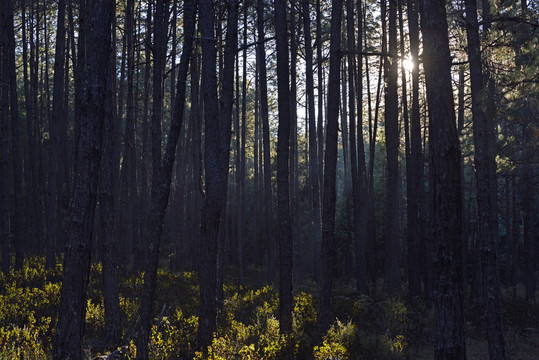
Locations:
{"points": [[483, 157], [515, 237], [161, 181], [320, 124], [268, 197], [294, 175], [216, 159], [529, 215], [359, 226], [72, 308], [446, 187], [4, 138], [19, 233], [34, 202], [111, 297], [286, 301], [412, 238], [327, 254], [57, 113], [128, 179], [243, 171], [316, 229], [392, 277]]}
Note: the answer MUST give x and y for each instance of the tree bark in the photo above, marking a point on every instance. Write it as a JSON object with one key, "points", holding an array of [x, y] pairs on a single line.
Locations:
{"points": [[446, 186], [4, 139], [111, 296], [72, 308], [316, 229], [161, 181], [483, 157], [19, 232], [268, 197], [327, 254], [57, 113], [216, 158], [128, 176], [286, 301]]}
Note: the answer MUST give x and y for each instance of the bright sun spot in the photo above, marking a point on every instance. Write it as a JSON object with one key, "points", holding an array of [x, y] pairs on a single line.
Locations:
{"points": [[408, 64]]}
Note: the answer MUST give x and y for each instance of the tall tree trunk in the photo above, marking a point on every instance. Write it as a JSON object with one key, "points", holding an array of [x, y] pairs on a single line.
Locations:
{"points": [[4, 139], [162, 180], [243, 205], [72, 308], [286, 301], [294, 176], [515, 237], [320, 124], [268, 197], [314, 183], [483, 157], [446, 187], [57, 112], [36, 232], [413, 263], [128, 191], [358, 209], [19, 238], [392, 278], [528, 209], [216, 158], [111, 296], [330, 172]]}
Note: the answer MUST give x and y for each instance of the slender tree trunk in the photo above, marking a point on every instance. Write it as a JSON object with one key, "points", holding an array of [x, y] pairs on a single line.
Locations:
{"points": [[128, 194], [320, 124], [330, 171], [4, 138], [392, 278], [446, 187], [268, 197], [72, 308], [314, 183], [515, 237], [294, 176], [286, 301], [528, 209], [36, 231], [19, 232], [358, 214], [57, 113], [111, 297], [491, 281], [162, 180], [242, 174]]}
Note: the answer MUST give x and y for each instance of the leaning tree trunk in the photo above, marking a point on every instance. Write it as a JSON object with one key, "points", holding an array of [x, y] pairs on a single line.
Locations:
{"points": [[446, 186], [161, 183]]}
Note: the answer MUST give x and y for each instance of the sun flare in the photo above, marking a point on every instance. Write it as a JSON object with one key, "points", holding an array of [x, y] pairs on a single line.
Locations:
{"points": [[408, 64]]}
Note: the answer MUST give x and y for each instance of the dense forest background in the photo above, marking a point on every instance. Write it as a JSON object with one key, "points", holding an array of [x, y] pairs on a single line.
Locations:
{"points": [[172, 158]]}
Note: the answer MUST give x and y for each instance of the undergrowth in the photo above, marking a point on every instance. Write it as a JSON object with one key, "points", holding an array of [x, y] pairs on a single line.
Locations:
{"points": [[364, 327]]}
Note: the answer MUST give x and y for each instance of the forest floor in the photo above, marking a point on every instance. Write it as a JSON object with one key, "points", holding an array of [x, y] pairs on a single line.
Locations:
{"points": [[365, 327]]}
